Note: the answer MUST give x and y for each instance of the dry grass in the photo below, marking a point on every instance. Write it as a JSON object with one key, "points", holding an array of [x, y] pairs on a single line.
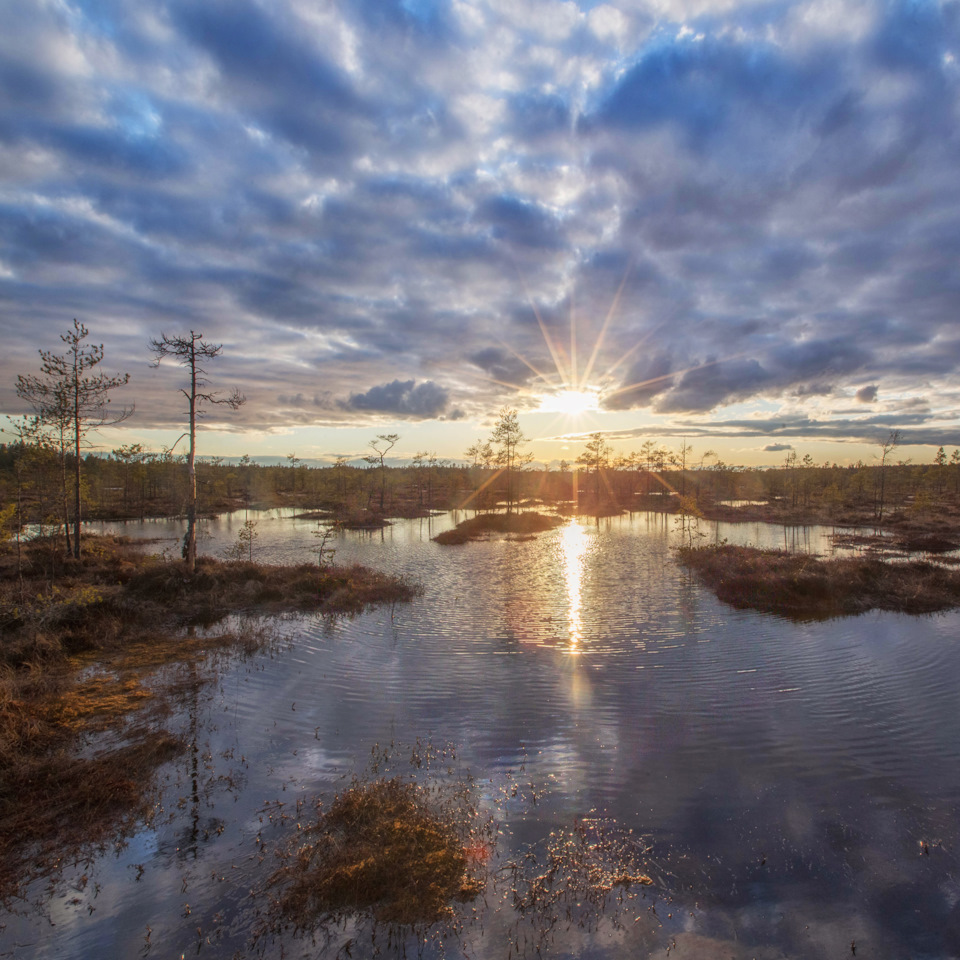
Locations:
{"points": [[414, 852], [222, 587], [403, 846], [484, 524], [381, 849], [805, 587], [79, 659]]}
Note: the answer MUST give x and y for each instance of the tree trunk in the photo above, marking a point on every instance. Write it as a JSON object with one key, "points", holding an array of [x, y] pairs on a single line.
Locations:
{"points": [[190, 540], [63, 490], [76, 454]]}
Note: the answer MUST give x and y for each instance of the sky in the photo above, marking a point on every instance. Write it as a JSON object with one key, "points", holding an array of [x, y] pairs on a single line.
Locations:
{"points": [[734, 223]]}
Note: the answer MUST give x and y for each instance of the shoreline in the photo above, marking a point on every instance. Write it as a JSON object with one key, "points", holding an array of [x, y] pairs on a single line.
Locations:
{"points": [[82, 664]]}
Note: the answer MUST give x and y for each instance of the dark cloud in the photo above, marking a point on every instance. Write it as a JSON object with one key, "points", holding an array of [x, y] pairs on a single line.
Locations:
{"points": [[714, 382], [502, 365], [535, 114], [520, 222], [914, 428], [748, 205], [268, 63], [777, 447], [707, 85], [645, 379], [403, 398]]}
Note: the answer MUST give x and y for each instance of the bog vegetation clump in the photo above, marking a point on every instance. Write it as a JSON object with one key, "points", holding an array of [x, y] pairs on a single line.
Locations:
{"points": [[484, 525], [385, 848], [806, 587], [404, 847], [409, 850]]}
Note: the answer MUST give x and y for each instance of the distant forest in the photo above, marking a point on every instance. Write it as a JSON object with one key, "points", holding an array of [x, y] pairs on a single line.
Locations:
{"points": [[37, 485]]}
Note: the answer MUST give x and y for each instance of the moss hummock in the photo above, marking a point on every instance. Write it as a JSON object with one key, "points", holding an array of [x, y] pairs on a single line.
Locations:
{"points": [[806, 587], [483, 525]]}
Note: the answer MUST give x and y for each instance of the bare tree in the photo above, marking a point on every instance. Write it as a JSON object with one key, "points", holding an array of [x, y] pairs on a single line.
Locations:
{"points": [[382, 444], [192, 352], [886, 448], [70, 401]]}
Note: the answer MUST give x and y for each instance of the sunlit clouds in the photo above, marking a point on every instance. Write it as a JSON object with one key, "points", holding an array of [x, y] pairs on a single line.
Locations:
{"points": [[571, 403], [681, 219]]}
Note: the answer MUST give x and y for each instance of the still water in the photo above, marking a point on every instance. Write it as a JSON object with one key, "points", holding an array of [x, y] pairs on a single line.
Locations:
{"points": [[788, 777]]}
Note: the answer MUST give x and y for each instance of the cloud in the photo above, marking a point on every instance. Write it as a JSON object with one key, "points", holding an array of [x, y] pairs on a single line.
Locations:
{"points": [[402, 398], [520, 222], [920, 427], [388, 193], [705, 86], [777, 447], [644, 380], [502, 365]]}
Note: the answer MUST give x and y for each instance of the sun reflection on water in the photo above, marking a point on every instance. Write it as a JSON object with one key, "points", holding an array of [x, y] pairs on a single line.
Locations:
{"points": [[573, 547]]}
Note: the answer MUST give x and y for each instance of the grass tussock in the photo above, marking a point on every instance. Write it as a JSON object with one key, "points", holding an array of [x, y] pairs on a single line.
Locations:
{"points": [[805, 587], [97, 702], [416, 852], [483, 525], [380, 849], [81, 644], [222, 587]]}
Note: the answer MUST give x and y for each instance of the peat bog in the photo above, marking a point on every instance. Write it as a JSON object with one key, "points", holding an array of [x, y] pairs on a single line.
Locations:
{"points": [[83, 692]]}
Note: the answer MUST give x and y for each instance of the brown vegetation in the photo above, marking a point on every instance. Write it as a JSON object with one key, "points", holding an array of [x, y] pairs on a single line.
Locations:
{"points": [[382, 849], [412, 849], [485, 524], [79, 661], [806, 587], [222, 587]]}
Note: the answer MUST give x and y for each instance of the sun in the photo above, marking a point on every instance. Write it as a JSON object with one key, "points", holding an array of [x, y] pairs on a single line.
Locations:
{"points": [[570, 403]]}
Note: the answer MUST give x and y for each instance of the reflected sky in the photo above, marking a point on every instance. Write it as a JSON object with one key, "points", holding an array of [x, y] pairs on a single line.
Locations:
{"points": [[786, 772]]}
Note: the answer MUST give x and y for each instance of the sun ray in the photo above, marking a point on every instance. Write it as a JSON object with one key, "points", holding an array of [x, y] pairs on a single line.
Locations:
{"points": [[524, 360], [669, 376], [603, 329], [573, 345], [486, 483], [605, 477], [519, 388], [626, 356], [561, 420], [564, 376]]}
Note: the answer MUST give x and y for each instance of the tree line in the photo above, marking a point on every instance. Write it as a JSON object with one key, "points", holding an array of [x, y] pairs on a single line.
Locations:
{"points": [[48, 477]]}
